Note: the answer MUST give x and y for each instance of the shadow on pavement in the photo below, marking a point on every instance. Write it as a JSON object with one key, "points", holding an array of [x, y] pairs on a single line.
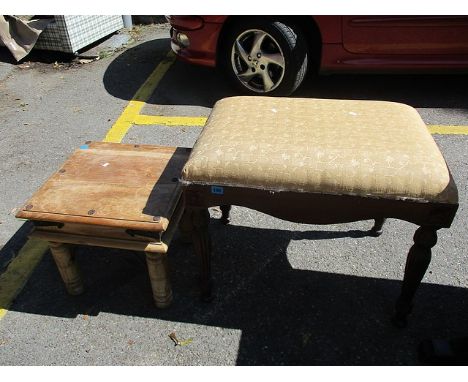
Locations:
{"points": [[186, 84], [287, 316], [11, 249], [130, 69], [36, 56]]}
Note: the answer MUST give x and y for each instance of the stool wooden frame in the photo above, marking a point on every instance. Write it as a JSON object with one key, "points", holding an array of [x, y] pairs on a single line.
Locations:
{"points": [[311, 208]]}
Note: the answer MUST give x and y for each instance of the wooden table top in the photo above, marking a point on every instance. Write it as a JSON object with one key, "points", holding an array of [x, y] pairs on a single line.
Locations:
{"points": [[112, 184]]}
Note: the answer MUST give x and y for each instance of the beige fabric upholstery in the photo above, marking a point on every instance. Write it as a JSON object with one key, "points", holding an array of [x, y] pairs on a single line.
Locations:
{"points": [[364, 148]]}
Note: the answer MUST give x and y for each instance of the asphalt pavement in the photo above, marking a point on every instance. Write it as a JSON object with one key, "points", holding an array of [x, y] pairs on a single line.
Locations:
{"points": [[285, 293]]}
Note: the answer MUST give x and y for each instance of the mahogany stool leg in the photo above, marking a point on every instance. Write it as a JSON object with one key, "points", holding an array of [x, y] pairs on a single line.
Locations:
{"points": [[67, 267], [158, 270], [225, 209], [202, 247], [377, 230], [186, 227], [417, 262]]}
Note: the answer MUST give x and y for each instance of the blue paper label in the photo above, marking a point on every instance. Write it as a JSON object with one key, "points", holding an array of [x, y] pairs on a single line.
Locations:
{"points": [[217, 190]]}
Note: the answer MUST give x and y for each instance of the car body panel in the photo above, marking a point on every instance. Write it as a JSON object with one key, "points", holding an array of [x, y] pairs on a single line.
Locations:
{"points": [[203, 42], [330, 28], [402, 35], [356, 43]]}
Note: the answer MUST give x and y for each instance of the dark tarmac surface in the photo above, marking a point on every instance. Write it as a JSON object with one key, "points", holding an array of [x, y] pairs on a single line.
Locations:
{"points": [[286, 294]]}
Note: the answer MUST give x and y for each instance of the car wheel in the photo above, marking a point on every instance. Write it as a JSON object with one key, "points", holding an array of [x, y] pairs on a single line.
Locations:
{"points": [[265, 57]]}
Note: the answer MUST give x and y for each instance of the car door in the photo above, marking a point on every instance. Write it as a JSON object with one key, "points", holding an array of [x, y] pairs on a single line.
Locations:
{"points": [[402, 35]]}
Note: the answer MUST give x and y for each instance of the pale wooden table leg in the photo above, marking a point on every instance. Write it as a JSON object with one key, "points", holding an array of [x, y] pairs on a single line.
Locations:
{"points": [[158, 270], [67, 267]]}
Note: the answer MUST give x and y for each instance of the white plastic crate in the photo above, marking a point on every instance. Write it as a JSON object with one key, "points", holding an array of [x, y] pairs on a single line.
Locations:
{"points": [[72, 33]]}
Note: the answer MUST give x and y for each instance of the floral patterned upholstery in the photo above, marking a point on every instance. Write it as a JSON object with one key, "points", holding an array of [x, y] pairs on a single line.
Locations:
{"points": [[340, 147]]}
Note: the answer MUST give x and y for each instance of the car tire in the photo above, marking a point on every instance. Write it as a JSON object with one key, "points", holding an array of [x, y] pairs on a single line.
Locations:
{"points": [[264, 56]]}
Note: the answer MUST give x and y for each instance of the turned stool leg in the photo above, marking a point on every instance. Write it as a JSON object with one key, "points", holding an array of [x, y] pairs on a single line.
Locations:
{"points": [[186, 227], [377, 230], [67, 267], [225, 209], [202, 247], [158, 270], [417, 262]]}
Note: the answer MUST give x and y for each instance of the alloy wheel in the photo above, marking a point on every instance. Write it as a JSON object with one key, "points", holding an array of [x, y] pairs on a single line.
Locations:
{"points": [[258, 61]]}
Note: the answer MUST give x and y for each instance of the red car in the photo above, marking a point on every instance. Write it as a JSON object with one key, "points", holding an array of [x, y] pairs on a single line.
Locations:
{"points": [[271, 55]]}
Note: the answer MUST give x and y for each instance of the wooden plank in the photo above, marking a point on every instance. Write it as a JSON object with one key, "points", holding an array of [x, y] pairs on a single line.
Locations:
{"points": [[103, 200], [130, 184], [132, 147], [160, 225], [143, 246], [97, 231]]}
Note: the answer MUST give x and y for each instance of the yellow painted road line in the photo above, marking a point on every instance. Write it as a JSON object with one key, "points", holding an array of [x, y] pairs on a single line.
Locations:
{"points": [[169, 121], [128, 116], [443, 129], [161, 120], [19, 271]]}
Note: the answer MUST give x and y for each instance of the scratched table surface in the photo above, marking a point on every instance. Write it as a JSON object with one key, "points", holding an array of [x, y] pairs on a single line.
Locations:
{"points": [[102, 183]]}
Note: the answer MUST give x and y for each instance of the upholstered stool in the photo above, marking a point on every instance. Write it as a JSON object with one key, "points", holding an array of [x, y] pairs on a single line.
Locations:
{"points": [[321, 161]]}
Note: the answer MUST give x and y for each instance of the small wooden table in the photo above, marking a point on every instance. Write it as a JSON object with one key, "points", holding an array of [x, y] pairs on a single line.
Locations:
{"points": [[112, 195]]}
